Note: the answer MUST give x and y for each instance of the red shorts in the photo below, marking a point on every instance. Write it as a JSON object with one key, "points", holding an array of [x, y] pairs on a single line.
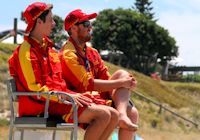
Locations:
{"points": [[31, 107], [59, 109]]}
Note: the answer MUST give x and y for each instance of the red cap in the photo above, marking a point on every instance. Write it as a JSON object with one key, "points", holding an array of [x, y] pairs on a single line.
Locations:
{"points": [[32, 12], [77, 16]]}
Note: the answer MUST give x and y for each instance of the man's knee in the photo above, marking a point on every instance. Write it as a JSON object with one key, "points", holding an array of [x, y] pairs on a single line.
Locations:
{"points": [[104, 116], [120, 74], [133, 114], [96, 113], [114, 114], [101, 112]]}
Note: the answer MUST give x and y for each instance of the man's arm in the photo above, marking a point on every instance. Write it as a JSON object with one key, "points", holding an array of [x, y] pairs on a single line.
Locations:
{"points": [[108, 85]]}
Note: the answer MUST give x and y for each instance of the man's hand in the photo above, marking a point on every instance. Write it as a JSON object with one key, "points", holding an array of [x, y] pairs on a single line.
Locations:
{"points": [[129, 82], [81, 100]]}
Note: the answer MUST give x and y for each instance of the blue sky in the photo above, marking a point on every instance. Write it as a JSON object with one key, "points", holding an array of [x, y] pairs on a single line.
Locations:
{"points": [[180, 17]]}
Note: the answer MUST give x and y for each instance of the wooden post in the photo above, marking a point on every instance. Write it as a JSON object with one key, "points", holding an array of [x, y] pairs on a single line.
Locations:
{"points": [[15, 30], [160, 109]]}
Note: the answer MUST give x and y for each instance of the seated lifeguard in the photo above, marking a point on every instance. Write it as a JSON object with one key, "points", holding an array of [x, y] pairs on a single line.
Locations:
{"points": [[85, 71], [35, 66]]}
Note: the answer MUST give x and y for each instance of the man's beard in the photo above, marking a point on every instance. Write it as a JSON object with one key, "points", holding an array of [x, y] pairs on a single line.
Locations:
{"points": [[84, 39]]}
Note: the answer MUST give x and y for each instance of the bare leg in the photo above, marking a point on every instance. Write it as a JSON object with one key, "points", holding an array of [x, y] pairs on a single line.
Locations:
{"points": [[113, 122], [121, 97], [133, 115], [98, 119]]}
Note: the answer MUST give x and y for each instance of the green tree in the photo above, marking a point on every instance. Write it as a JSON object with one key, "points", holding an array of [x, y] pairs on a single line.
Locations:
{"points": [[144, 7], [140, 39], [58, 34]]}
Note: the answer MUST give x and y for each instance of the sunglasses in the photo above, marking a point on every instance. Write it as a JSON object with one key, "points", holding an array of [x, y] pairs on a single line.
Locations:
{"points": [[85, 23]]}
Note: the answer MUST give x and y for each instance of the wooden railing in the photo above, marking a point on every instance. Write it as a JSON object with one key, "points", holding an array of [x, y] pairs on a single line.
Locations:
{"points": [[161, 107]]}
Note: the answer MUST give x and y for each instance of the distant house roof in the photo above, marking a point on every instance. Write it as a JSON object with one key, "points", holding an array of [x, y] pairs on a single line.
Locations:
{"points": [[7, 36]]}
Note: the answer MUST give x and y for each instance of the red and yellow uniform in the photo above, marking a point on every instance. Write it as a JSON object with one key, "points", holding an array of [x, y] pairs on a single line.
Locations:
{"points": [[81, 67], [37, 67]]}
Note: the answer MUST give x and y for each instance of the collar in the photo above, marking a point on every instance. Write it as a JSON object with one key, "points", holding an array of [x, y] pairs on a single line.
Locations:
{"points": [[46, 42], [41, 47], [79, 50]]}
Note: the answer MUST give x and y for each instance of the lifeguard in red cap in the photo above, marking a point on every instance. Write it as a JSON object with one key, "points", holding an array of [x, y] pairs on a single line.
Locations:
{"points": [[85, 71], [35, 66]]}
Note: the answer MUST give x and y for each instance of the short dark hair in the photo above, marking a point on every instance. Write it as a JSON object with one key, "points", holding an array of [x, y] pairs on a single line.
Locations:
{"points": [[69, 32], [42, 17]]}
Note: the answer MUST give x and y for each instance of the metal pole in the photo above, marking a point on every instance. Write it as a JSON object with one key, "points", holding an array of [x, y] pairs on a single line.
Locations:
{"points": [[15, 30]]}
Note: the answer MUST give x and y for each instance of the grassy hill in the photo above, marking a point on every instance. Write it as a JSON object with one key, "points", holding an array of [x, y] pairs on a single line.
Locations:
{"points": [[182, 98], [5, 52]]}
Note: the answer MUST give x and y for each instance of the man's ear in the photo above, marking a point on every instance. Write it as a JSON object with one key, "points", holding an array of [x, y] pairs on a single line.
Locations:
{"points": [[39, 21], [74, 28]]}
